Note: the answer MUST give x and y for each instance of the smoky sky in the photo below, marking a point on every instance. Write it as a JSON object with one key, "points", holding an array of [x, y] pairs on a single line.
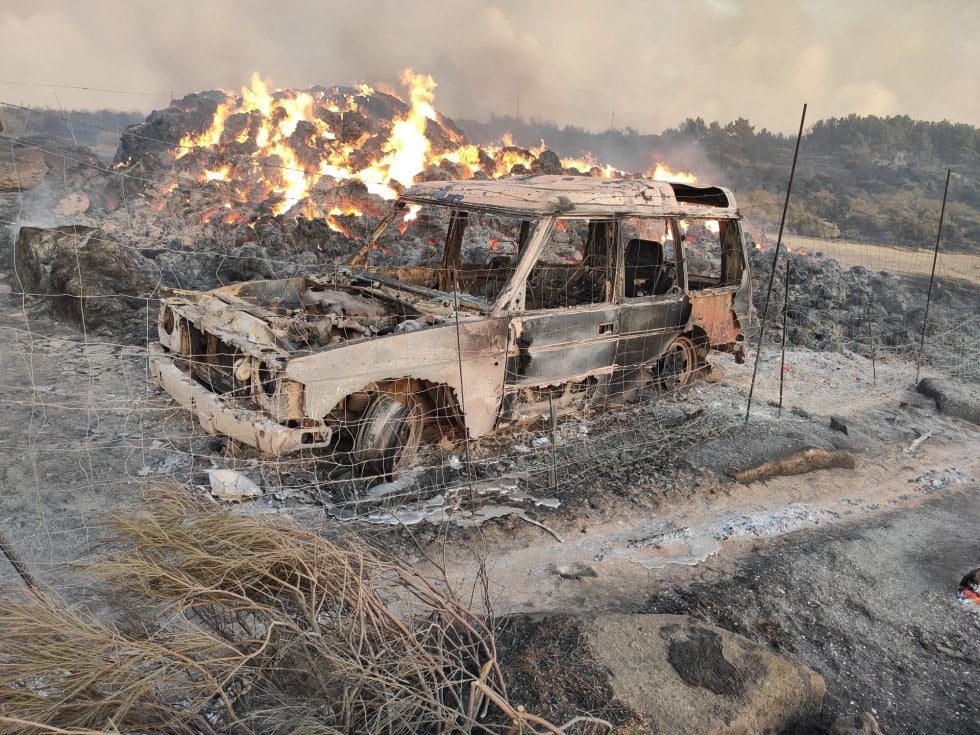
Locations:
{"points": [[643, 64]]}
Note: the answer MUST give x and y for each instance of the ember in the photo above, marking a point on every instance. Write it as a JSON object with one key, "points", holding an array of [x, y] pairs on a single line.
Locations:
{"points": [[969, 588]]}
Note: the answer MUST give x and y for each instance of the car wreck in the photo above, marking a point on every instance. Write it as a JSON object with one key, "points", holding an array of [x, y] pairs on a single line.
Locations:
{"points": [[474, 304]]}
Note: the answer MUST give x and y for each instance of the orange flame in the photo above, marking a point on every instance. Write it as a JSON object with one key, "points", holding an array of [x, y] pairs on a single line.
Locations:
{"points": [[663, 173], [410, 216], [218, 174], [298, 138], [337, 226]]}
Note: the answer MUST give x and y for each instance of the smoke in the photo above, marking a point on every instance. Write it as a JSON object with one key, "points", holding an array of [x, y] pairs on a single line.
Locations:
{"points": [[591, 63]]}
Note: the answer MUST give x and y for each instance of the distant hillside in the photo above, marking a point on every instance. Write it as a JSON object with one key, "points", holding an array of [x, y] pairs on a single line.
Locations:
{"points": [[95, 129], [863, 178]]}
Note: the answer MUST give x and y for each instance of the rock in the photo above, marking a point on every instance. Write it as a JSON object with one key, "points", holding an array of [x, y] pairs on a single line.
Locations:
{"points": [[951, 398], [71, 205], [575, 570], [862, 724], [21, 169], [681, 676], [232, 486], [837, 424], [37, 248]]}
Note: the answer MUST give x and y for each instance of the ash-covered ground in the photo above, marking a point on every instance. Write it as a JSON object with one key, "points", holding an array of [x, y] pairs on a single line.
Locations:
{"points": [[851, 571]]}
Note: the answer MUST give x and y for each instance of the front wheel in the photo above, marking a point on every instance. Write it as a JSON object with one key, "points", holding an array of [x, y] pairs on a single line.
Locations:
{"points": [[679, 364], [388, 437]]}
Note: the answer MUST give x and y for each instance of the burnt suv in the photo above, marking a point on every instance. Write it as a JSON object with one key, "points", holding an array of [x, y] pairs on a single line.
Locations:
{"points": [[476, 303]]}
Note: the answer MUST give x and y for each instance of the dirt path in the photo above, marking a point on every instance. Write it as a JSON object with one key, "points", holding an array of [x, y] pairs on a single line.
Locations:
{"points": [[634, 554]]}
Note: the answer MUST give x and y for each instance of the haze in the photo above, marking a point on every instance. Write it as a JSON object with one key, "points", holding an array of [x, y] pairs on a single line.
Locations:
{"points": [[646, 65]]}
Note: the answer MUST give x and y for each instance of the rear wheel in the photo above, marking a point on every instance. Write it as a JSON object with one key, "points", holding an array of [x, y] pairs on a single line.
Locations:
{"points": [[388, 437], [679, 364]]}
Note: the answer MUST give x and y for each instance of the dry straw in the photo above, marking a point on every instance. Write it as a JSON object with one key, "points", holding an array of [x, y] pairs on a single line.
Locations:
{"points": [[246, 624]]}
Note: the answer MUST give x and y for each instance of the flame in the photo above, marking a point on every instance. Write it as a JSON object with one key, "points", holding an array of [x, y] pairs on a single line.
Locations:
{"points": [[406, 152], [711, 225], [297, 138], [212, 135], [663, 173], [337, 226], [408, 146], [218, 174], [411, 215]]}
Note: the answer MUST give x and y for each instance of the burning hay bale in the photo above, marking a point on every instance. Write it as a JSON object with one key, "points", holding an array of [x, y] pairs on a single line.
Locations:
{"points": [[250, 625], [289, 152]]}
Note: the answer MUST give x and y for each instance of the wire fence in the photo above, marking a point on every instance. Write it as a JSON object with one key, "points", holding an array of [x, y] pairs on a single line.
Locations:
{"points": [[86, 425]]}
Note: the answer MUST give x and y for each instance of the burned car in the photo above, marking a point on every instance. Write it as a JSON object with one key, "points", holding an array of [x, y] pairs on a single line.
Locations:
{"points": [[474, 304]]}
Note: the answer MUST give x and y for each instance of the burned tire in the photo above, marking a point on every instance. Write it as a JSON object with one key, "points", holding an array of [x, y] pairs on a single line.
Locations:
{"points": [[388, 437], [679, 365]]}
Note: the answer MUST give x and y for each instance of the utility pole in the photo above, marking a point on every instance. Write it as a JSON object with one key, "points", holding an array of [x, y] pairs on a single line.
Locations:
{"points": [[772, 270], [932, 277]]}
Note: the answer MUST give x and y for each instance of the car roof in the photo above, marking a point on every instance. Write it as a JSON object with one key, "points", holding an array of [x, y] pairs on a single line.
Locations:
{"points": [[577, 196]]}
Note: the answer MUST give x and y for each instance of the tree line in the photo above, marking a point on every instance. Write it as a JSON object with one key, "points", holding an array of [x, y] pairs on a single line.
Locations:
{"points": [[863, 178]]}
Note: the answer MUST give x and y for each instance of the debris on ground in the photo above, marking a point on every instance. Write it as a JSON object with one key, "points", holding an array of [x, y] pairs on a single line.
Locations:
{"points": [[232, 486], [969, 588], [933, 480], [268, 628], [798, 463]]}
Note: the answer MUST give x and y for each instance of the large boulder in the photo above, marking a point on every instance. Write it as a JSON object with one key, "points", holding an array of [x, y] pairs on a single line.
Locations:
{"points": [[21, 169], [662, 674], [682, 676]]}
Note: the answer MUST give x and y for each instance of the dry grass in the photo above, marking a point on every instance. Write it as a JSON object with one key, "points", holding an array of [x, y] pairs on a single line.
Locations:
{"points": [[248, 625], [906, 261]]}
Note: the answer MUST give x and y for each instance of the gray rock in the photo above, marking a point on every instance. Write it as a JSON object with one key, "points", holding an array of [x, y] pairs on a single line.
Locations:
{"points": [[951, 398], [575, 570], [862, 724]]}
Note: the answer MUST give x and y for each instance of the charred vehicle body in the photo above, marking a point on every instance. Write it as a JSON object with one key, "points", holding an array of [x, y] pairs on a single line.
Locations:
{"points": [[475, 303]]}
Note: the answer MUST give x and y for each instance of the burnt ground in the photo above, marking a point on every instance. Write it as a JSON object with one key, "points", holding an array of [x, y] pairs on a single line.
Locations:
{"points": [[852, 572], [869, 605]]}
